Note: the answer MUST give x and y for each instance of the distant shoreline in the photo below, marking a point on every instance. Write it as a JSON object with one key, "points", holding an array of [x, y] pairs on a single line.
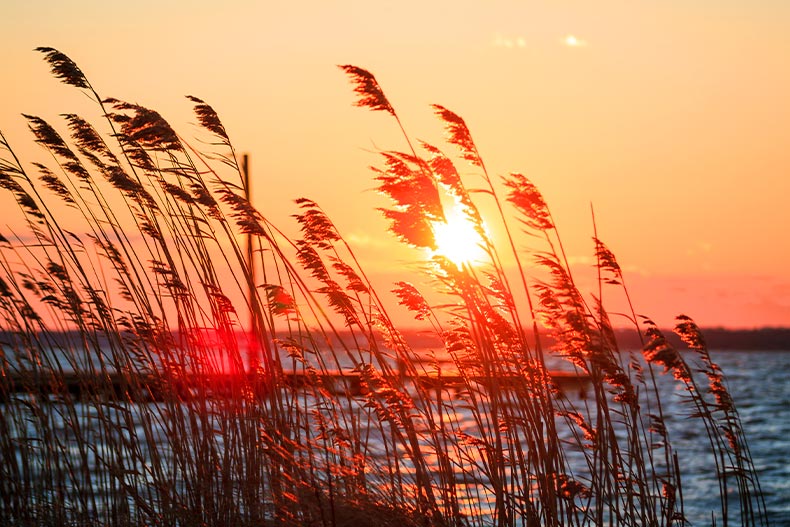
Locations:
{"points": [[719, 339], [722, 339]]}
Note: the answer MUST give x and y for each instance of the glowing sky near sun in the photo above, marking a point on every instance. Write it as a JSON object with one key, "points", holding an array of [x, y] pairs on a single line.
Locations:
{"points": [[672, 118]]}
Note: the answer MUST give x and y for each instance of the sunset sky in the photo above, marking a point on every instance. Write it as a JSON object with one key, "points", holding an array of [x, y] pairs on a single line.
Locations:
{"points": [[671, 118]]}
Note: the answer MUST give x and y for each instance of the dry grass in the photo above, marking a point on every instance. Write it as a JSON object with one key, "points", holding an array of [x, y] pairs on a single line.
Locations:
{"points": [[144, 273]]}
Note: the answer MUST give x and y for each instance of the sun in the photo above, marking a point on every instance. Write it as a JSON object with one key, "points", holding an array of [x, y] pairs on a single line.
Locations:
{"points": [[457, 239]]}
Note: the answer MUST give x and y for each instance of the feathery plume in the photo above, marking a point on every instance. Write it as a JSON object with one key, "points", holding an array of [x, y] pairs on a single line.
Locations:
{"points": [[208, 118], [370, 93], [86, 137], [316, 226], [48, 137], [144, 126], [53, 183], [658, 350], [459, 135], [607, 262], [178, 192], [64, 68], [445, 171], [409, 296], [411, 227], [247, 218], [311, 261], [339, 301], [688, 331], [408, 187], [280, 301], [355, 283], [524, 195]]}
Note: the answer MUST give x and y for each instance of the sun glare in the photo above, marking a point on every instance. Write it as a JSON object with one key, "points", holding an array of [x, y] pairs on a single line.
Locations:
{"points": [[457, 240]]}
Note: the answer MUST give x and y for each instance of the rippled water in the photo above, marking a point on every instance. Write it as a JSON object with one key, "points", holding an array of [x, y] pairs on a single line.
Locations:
{"points": [[761, 390], [759, 383]]}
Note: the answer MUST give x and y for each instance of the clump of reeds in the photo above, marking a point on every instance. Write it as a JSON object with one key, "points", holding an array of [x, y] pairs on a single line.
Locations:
{"points": [[182, 417]]}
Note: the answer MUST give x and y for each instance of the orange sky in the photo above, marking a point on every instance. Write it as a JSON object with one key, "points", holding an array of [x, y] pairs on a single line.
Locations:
{"points": [[672, 118]]}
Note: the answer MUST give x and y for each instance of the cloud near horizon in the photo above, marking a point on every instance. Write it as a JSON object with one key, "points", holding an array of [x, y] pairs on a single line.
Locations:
{"points": [[572, 41], [500, 40], [504, 41]]}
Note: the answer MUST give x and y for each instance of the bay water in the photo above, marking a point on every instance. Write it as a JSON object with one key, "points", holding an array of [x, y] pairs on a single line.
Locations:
{"points": [[760, 387]]}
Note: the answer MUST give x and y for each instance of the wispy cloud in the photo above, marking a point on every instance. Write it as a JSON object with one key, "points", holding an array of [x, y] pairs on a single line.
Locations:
{"points": [[365, 240], [572, 41], [515, 41], [508, 41]]}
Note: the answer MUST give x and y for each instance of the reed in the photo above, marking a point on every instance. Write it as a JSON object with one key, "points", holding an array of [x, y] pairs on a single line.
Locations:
{"points": [[148, 283]]}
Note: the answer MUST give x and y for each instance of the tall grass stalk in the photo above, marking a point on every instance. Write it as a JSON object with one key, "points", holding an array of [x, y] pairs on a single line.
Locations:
{"points": [[130, 274]]}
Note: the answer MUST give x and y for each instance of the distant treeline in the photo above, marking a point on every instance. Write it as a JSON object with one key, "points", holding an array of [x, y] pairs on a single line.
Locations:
{"points": [[762, 339]]}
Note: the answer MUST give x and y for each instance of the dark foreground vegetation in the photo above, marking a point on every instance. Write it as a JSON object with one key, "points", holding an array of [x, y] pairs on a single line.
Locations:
{"points": [[134, 244]]}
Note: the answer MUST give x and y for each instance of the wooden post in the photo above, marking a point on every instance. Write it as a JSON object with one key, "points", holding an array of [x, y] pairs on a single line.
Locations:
{"points": [[253, 358]]}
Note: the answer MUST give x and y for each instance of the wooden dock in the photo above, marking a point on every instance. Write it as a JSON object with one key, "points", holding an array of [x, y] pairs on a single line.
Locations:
{"points": [[158, 387]]}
